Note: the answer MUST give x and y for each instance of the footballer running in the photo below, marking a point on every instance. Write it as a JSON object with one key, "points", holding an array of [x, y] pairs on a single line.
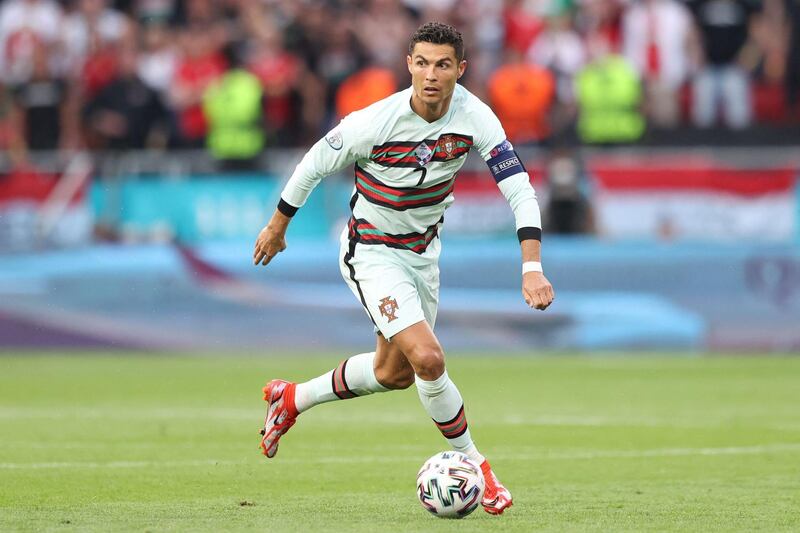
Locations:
{"points": [[406, 150]]}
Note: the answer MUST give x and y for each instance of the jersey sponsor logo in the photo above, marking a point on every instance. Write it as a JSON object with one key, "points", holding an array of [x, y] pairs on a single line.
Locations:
{"points": [[389, 307], [449, 145], [504, 146], [423, 153], [334, 139]]}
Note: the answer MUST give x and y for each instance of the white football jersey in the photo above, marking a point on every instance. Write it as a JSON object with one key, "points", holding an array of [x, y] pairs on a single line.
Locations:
{"points": [[405, 168]]}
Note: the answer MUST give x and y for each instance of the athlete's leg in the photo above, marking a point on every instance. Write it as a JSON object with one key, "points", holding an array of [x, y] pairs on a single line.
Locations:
{"points": [[438, 393], [392, 369], [382, 370], [353, 377], [444, 404]]}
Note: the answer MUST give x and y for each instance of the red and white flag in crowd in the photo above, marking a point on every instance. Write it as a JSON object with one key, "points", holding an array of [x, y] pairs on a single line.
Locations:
{"points": [[697, 200]]}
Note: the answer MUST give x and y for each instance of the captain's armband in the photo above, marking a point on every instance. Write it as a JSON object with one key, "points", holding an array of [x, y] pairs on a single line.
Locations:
{"points": [[504, 162]]}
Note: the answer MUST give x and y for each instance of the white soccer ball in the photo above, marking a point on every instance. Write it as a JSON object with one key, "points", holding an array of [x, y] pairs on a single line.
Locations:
{"points": [[450, 485]]}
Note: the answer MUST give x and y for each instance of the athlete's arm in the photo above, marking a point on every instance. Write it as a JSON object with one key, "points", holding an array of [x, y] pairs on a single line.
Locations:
{"points": [[340, 147], [514, 182]]}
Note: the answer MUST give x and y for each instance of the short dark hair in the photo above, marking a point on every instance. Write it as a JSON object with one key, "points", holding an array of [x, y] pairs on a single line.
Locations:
{"points": [[438, 33]]}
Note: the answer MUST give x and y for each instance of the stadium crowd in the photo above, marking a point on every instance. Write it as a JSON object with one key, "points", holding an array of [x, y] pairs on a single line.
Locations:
{"points": [[236, 76]]}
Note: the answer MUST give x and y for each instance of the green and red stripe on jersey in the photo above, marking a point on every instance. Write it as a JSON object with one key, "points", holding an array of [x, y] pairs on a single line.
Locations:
{"points": [[400, 198], [363, 232], [454, 427], [402, 153], [339, 383]]}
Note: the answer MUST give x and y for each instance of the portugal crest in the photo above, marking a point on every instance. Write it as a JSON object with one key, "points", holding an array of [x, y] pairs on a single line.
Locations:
{"points": [[448, 144], [389, 307]]}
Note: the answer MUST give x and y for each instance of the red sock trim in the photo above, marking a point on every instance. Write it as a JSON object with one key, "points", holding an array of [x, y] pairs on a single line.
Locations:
{"points": [[288, 397]]}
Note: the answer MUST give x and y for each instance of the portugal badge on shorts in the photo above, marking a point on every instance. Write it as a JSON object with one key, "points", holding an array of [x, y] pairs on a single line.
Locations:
{"points": [[389, 307], [423, 153], [448, 144]]}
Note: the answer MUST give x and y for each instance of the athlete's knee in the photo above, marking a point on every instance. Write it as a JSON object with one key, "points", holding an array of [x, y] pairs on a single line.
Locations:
{"points": [[395, 378], [428, 361]]}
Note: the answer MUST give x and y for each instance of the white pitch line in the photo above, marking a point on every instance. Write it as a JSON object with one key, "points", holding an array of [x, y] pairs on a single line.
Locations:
{"points": [[256, 415], [536, 456], [113, 464]]}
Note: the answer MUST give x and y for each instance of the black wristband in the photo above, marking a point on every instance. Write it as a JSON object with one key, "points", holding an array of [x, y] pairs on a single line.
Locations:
{"points": [[529, 232], [286, 209]]}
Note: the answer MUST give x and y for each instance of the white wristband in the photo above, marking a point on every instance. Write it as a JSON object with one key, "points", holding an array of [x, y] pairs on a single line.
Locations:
{"points": [[531, 266]]}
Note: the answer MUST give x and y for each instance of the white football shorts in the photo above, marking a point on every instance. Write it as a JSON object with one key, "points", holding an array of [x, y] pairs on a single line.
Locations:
{"points": [[397, 288]]}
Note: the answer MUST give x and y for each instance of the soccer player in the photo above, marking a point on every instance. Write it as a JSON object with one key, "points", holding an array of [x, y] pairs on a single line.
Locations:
{"points": [[406, 150]]}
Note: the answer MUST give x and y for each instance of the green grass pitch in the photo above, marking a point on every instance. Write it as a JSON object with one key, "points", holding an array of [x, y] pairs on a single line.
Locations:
{"points": [[169, 443]]}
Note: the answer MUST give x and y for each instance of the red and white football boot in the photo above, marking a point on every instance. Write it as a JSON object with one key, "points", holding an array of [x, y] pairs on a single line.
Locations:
{"points": [[496, 498], [281, 414]]}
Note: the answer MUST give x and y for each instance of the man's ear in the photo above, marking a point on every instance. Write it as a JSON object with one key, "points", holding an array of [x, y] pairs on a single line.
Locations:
{"points": [[462, 67]]}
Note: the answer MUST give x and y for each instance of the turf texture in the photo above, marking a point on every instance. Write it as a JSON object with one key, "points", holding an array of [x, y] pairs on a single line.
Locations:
{"points": [[642, 442]]}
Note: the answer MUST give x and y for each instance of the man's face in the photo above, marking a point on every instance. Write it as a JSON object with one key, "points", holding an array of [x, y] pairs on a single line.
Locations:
{"points": [[434, 71]]}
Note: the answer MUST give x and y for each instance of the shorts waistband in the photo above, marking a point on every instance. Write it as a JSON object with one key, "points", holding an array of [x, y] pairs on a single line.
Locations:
{"points": [[361, 231]]}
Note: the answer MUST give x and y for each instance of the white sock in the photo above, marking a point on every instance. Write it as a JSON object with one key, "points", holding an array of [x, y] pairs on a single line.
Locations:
{"points": [[445, 406], [352, 378]]}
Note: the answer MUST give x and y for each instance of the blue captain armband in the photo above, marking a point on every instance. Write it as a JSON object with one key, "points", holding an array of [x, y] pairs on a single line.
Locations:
{"points": [[504, 162]]}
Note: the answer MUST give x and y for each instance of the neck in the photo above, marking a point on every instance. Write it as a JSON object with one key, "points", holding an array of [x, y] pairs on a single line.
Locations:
{"points": [[432, 112]]}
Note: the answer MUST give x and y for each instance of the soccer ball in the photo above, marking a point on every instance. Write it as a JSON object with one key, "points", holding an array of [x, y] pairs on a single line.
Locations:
{"points": [[449, 485]]}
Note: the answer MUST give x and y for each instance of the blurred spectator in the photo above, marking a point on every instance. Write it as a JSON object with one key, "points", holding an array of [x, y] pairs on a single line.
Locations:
{"points": [[10, 141], [521, 95], [363, 88], [568, 209], [198, 12], [126, 113], [149, 9], [766, 58], [722, 83], [600, 22], [793, 57], [317, 60], [25, 26], [560, 49], [522, 24], [658, 41], [293, 100], [609, 100], [99, 67], [201, 63], [39, 104], [484, 47], [92, 18], [340, 58], [158, 56], [233, 110], [383, 30]]}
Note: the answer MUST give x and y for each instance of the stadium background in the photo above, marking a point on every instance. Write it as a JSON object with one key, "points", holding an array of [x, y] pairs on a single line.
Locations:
{"points": [[143, 144]]}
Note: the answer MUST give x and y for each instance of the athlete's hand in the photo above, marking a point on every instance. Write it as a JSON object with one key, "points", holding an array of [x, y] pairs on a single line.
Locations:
{"points": [[271, 241], [537, 291]]}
